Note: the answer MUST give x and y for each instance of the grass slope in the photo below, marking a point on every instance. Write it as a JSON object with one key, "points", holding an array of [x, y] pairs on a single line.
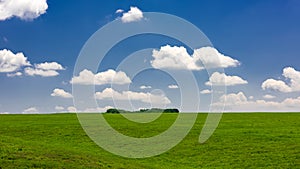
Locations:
{"points": [[258, 140]]}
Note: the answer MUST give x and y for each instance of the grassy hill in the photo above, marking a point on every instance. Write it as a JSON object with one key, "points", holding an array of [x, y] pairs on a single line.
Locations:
{"points": [[253, 140]]}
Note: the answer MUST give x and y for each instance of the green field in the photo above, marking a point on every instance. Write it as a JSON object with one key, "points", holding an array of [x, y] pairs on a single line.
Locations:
{"points": [[252, 140]]}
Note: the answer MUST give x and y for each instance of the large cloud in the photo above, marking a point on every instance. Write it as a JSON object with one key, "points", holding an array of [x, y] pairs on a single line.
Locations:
{"points": [[110, 76], [133, 15], [110, 93], [10, 62], [61, 93], [220, 79], [279, 85], [23, 9], [174, 57]]}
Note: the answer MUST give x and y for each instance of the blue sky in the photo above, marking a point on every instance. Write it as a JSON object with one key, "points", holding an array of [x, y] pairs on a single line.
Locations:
{"points": [[262, 35]]}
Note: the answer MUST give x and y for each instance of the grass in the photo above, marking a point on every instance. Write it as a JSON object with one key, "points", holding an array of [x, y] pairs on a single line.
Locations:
{"points": [[249, 140]]}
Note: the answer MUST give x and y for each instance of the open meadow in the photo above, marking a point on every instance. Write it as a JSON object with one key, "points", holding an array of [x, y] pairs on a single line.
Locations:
{"points": [[242, 140]]}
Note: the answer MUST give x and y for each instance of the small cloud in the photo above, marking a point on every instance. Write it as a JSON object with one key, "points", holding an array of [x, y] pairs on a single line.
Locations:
{"points": [[278, 85], [49, 66], [251, 97], [119, 11], [10, 62], [4, 113], [267, 96], [173, 86], [133, 15], [110, 94], [221, 79], [24, 9], [59, 108], [46, 69], [61, 93], [145, 87], [30, 110], [5, 39], [40, 72], [71, 109], [206, 91], [86, 77], [14, 74]]}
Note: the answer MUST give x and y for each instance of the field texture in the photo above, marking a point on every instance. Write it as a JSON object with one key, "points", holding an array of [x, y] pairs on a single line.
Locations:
{"points": [[252, 140]]}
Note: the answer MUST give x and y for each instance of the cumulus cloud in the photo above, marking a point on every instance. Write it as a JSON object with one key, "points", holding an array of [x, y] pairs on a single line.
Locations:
{"points": [[14, 74], [59, 108], [110, 76], [223, 79], [30, 110], [110, 93], [46, 69], [23, 9], [212, 58], [133, 15], [235, 102], [4, 112], [40, 72], [174, 57], [173, 86], [71, 109], [10, 62], [278, 85], [98, 109], [268, 96], [49, 66], [145, 87], [61, 93], [206, 91]]}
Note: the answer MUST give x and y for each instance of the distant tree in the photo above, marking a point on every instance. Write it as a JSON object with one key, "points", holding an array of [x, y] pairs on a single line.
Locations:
{"points": [[144, 110], [171, 111], [114, 111]]}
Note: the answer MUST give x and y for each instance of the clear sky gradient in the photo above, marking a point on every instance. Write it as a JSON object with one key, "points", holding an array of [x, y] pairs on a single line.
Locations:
{"points": [[263, 35]]}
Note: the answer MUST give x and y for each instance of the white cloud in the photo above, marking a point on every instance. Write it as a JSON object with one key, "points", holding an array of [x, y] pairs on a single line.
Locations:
{"points": [[174, 57], [23, 9], [61, 93], [206, 91], [14, 74], [49, 66], [173, 86], [223, 79], [239, 102], [278, 85], [145, 87], [119, 11], [212, 58], [72, 109], [110, 76], [40, 72], [46, 69], [232, 98], [251, 97], [10, 62], [59, 108], [4, 113], [30, 110], [98, 109], [268, 96], [133, 15], [109, 93]]}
